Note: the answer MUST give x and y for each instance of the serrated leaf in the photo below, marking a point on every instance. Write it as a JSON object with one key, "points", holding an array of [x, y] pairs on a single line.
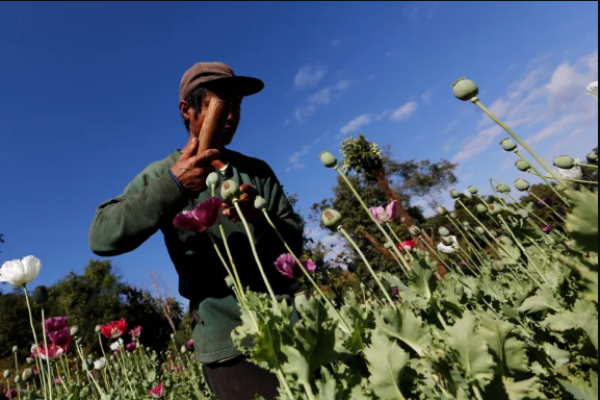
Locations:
{"points": [[580, 389], [528, 389], [584, 316], [582, 223], [386, 365], [543, 301], [471, 351], [422, 280], [560, 357], [510, 351], [404, 326]]}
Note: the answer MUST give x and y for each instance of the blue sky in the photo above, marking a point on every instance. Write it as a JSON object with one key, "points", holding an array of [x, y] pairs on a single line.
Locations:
{"points": [[88, 98]]}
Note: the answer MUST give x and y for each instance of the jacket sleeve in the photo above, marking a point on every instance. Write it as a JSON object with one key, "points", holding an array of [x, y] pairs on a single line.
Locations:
{"points": [[124, 223]]}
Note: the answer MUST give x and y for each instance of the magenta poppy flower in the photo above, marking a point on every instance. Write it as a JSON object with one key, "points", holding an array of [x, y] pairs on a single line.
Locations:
{"points": [[12, 394], [131, 347], [548, 229], [204, 216], [53, 352], [57, 381], [158, 392], [62, 337], [383, 215], [287, 266], [56, 324], [136, 333], [190, 345]]}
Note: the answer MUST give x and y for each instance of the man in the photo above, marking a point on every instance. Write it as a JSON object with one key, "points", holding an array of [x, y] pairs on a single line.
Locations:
{"points": [[177, 183]]}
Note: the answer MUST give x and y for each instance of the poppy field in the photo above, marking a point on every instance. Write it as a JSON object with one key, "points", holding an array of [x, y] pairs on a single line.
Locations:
{"points": [[502, 313]]}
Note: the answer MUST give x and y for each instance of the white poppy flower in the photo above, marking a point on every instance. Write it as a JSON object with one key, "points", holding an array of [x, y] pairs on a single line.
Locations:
{"points": [[116, 345], [592, 89], [100, 363], [574, 173], [452, 246], [20, 272]]}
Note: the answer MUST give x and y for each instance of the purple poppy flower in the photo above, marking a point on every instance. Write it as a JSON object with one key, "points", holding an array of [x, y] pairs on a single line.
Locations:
{"points": [[12, 394], [190, 345], [61, 338], [204, 216], [56, 324], [131, 347], [287, 266], [548, 229]]}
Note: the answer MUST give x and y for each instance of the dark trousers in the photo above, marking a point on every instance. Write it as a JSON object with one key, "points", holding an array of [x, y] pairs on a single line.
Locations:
{"points": [[239, 379]]}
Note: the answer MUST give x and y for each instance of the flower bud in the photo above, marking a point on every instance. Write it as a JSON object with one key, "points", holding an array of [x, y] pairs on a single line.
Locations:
{"points": [[524, 214], [260, 203], [74, 330], [564, 162], [388, 246], [40, 295], [454, 194], [466, 224], [465, 89], [496, 209], [453, 215], [230, 282], [502, 188], [561, 189], [97, 329], [18, 379], [481, 209], [494, 234], [183, 350], [7, 374], [27, 374], [172, 338], [509, 145], [480, 231], [444, 231], [331, 218], [415, 231], [15, 349], [230, 191], [328, 159], [523, 165], [212, 180], [522, 185], [352, 267], [592, 158], [473, 190], [30, 360], [442, 210], [506, 241]]}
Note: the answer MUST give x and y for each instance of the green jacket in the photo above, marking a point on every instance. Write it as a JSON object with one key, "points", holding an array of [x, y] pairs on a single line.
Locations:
{"points": [[151, 201]]}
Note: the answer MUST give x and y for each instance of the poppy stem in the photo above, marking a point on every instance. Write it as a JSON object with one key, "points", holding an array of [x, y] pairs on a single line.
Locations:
{"points": [[399, 241], [37, 346], [256, 257], [362, 255], [547, 205], [47, 353], [230, 256]]}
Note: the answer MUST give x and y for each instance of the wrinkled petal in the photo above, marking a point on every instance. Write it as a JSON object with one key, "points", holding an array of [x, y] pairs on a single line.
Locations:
{"points": [[446, 249], [285, 265], [391, 210], [592, 89], [574, 173], [20, 272], [61, 337], [208, 212], [309, 265], [379, 214], [186, 220]]}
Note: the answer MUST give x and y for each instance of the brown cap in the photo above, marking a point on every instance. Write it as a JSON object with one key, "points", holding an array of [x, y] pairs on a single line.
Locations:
{"points": [[217, 75]]}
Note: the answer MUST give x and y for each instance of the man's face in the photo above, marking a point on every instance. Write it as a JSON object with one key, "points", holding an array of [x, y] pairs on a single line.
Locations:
{"points": [[233, 120]]}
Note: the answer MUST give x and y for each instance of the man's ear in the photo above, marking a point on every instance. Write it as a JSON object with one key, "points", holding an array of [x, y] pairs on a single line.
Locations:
{"points": [[185, 109]]}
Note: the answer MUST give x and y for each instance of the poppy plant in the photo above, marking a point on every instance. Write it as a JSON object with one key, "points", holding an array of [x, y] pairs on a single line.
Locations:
{"points": [[383, 215], [20, 272], [114, 329], [136, 333], [287, 266], [202, 217], [52, 352], [56, 324], [408, 245], [61, 337], [157, 392]]}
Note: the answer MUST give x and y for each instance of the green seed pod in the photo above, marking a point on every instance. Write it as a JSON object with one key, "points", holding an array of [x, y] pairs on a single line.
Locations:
{"points": [[453, 215], [465, 89], [509, 145], [496, 209], [352, 267], [506, 241], [442, 210], [40, 295], [524, 214], [7, 374], [498, 266], [494, 234], [564, 162], [212, 181], [74, 330], [30, 360], [592, 158], [27, 374], [449, 241], [561, 189], [481, 209], [230, 191], [454, 194], [328, 159], [473, 190], [522, 185], [260, 203], [97, 329], [466, 224], [502, 188], [183, 350], [480, 231], [415, 231], [523, 165], [78, 340], [15, 349], [230, 282], [18, 379], [331, 218], [388, 246], [444, 232]]}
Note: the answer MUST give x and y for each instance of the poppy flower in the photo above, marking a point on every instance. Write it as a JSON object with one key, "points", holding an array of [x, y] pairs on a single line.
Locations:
{"points": [[53, 352], [547, 229], [62, 337], [190, 345], [20, 272], [130, 348], [56, 324], [114, 329], [287, 266], [408, 245], [202, 217], [136, 333], [383, 215], [157, 392]]}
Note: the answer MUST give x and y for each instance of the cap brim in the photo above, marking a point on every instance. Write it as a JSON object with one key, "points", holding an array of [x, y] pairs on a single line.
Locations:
{"points": [[242, 85]]}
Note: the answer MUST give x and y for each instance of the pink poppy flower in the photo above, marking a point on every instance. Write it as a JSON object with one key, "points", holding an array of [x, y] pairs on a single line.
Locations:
{"points": [[383, 215], [204, 216], [62, 337], [53, 352], [12, 394], [288, 267], [158, 392], [190, 345], [548, 229], [115, 329], [57, 381], [56, 324], [131, 347], [136, 333], [408, 245]]}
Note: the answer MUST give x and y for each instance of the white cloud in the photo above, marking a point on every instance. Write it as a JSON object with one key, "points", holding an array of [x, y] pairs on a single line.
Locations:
{"points": [[382, 115], [404, 112], [309, 75], [322, 97], [478, 144], [500, 108], [295, 159], [356, 124], [427, 96]]}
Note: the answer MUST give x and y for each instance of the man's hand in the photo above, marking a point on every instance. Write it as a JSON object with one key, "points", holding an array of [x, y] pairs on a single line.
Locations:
{"points": [[246, 202], [192, 169]]}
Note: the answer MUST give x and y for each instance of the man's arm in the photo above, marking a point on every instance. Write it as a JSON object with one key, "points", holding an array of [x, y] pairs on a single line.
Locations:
{"points": [[123, 224]]}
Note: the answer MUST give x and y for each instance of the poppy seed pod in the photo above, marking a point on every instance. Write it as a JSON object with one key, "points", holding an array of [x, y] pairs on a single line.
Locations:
{"points": [[453, 215], [260, 203], [502, 188], [30, 360], [523, 165], [97, 329], [230, 282], [415, 231], [212, 181], [454, 194], [18, 379], [388, 246], [496, 209], [230, 191], [592, 158], [27, 374], [40, 295], [331, 218], [509, 145], [522, 185], [465, 89], [442, 210], [7, 374], [564, 162], [473, 190], [480, 231], [498, 266], [444, 232], [481, 209], [506, 241], [466, 224], [494, 234], [561, 189], [15, 349], [74, 330], [328, 159], [183, 350]]}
